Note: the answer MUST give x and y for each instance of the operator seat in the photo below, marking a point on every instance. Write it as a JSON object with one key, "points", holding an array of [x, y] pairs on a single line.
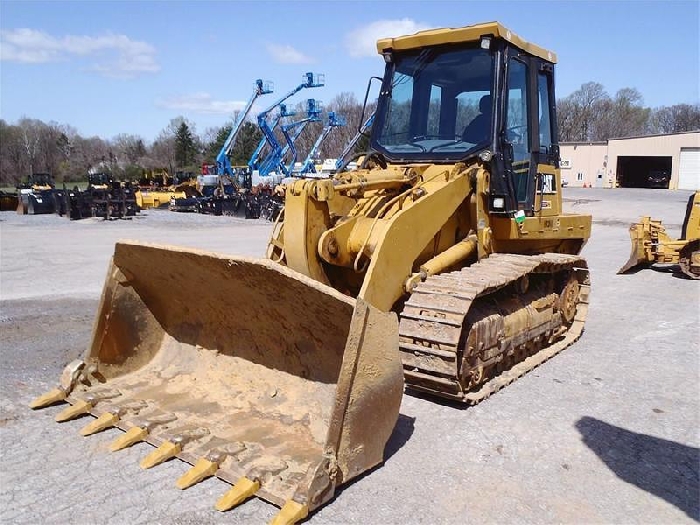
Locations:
{"points": [[477, 130]]}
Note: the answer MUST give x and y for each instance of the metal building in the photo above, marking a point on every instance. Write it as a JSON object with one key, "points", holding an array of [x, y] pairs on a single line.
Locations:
{"points": [[652, 161]]}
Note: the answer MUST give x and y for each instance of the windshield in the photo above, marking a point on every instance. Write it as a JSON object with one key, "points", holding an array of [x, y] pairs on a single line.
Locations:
{"points": [[440, 104]]}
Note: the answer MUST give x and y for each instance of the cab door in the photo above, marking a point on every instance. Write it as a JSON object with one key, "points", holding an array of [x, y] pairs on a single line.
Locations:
{"points": [[529, 128]]}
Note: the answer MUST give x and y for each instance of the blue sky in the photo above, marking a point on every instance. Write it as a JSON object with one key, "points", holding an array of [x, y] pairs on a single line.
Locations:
{"points": [[130, 66]]}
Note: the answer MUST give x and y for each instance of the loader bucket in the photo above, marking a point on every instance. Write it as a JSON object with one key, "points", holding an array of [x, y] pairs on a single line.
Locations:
{"points": [[245, 369], [641, 238]]}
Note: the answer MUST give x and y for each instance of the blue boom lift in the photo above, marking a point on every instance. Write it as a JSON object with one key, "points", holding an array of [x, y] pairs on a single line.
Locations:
{"points": [[311, 80], [334, 121], [223, 161], [313, 111], [254, 160]]}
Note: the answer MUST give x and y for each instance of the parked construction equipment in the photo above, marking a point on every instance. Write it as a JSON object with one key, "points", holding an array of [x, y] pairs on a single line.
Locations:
{"points": [[223, 161], [311, 80], [36, 196], [652, 245], [446, 259], [255, 158], [157, 189], [276, 163], [104, 197]]}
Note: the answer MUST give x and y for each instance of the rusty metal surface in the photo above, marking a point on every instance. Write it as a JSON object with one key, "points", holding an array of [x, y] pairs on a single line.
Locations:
{"points": [[508, 331]]}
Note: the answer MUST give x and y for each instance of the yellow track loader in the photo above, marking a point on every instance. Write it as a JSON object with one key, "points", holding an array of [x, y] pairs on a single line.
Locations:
{"points": [[652, 245], [445, 261]]}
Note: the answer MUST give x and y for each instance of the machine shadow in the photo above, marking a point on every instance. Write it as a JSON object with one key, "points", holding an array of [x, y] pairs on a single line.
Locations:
{"points": [[399, 437], [678, 274], [664, 468]]}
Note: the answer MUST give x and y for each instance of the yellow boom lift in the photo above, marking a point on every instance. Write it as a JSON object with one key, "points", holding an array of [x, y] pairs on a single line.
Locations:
{"points": [[445, 259]]}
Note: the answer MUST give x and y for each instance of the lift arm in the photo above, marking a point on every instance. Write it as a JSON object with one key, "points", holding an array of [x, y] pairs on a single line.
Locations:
{"points": [[275, 159], [255, 157], [310, 81], [223, 161], [334, 121], [314, 109]]}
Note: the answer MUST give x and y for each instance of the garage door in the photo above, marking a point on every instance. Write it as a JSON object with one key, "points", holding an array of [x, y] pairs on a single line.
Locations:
{"points": [[689, 169]]}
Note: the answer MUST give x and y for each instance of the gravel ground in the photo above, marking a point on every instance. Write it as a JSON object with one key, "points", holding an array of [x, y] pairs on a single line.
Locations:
{"points": [[605, 432]]}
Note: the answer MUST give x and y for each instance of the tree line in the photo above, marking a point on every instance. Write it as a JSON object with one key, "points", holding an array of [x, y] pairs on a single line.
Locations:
{"points": [[591, 114], [32, 146]]}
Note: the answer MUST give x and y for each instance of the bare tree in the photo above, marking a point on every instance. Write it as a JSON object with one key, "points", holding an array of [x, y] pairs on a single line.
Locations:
{"points": [[346, 106], [51, 148], [86, 154], [623, 116], [163, 151], [12, 158], [675, 119], [30, 130], [129, 148], [578, 113]]}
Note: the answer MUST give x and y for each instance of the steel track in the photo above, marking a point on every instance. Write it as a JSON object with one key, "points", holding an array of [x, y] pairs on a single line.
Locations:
{"points": [[432, 342]]}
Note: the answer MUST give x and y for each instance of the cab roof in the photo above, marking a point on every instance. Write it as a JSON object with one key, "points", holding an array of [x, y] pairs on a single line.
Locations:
{"points": [[433, 37]]}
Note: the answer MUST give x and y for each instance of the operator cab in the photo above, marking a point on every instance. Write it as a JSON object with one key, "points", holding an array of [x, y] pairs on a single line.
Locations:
{"points": [[489, 96]]}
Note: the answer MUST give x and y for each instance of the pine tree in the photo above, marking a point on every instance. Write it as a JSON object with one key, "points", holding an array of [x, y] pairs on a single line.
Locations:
{"points": [[185, 149], [246, 142]]}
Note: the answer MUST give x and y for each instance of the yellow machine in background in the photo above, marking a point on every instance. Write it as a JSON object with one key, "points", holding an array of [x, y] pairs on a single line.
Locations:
{"points": [[652, 245], [157, 189], [445, 259], [146, 198]]}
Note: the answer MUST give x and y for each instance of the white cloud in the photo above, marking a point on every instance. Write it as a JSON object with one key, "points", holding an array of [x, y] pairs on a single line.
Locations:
{"points": [[118, 55], [201, 103], [286, 54], [362, 42]]}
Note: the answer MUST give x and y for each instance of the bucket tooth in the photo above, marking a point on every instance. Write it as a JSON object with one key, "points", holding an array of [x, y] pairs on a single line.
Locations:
{"points": [[106, 420], [78, 409], [291, 513], [163, 453], [49, 398], [201, 470], [133, 435], [241, 491]]}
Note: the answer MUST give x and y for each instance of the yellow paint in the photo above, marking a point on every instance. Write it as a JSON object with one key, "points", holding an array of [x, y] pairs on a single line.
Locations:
{"points": [[201, 470], [106, 420], [163, 453], [399, 240], [291, 513], [241, 491], [436, 37], [133, 435], [49, 398], [78, 409]]}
